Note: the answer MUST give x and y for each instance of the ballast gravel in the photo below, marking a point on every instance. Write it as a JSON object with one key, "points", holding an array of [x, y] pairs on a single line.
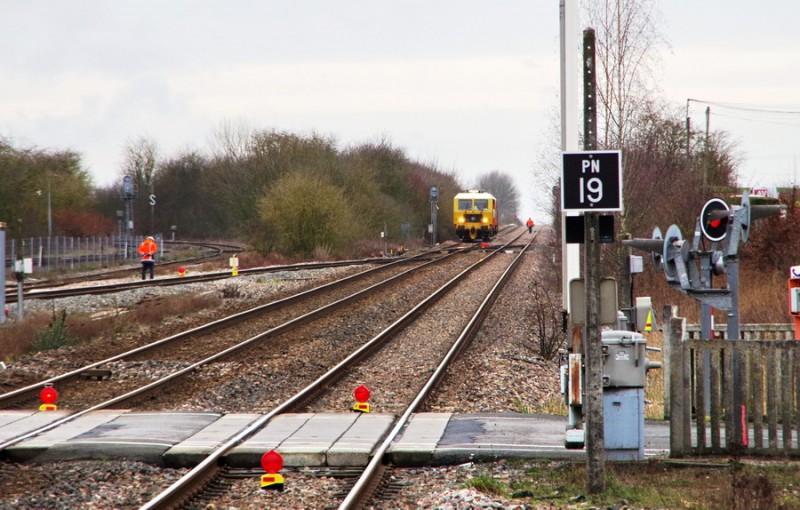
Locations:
{"points": [[501, 372]]}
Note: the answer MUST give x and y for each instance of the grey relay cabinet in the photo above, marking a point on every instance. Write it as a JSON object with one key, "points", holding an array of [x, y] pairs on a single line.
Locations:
{"points": [[625, 362], [625, 366]]}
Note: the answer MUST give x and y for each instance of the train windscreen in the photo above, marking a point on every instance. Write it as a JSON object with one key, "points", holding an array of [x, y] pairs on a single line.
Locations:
{"points": [[481, 204], [464, 204]]}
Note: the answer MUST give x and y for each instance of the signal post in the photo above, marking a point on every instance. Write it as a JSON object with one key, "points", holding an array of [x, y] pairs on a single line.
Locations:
{"points": [[689, 268], [591, 183]]}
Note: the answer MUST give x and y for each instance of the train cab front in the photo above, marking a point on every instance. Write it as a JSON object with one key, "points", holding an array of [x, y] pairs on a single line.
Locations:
{"points": [[471, 226], [474, 215]]}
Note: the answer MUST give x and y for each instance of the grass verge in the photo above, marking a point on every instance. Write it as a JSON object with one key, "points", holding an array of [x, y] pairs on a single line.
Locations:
{"points": [[662, 484]]}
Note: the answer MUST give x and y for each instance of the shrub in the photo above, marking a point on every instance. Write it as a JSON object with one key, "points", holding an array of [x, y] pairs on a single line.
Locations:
{"points": [[54, 336], [546, 320]]}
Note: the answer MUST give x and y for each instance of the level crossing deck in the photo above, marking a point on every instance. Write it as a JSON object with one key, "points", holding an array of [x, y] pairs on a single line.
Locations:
{"points": [[183, 439]]}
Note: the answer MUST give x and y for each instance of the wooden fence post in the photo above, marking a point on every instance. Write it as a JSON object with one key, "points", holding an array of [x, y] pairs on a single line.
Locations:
{"points": [[677, 383], [670, 311]]}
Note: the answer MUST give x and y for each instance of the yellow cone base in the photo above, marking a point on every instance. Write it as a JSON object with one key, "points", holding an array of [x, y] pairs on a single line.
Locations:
{"points": [[272, 482], [361, 407]]}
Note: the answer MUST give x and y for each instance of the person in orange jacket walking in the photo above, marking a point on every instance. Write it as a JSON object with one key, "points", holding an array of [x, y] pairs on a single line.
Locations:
{"points": [[529, 224], [148, 249]]}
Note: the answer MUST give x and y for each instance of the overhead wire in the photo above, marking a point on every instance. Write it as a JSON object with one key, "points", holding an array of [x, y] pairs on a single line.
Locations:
{"points": [[745, 107], [756, 119], [763, 114]]}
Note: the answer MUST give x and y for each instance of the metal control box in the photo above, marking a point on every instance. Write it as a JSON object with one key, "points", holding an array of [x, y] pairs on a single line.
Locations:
{"points": [[624, 359], [623, 423]]}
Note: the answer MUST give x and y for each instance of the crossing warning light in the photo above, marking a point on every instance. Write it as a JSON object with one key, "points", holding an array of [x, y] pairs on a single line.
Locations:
{"points": [[272, 462], [49, 397], [361, 394]]}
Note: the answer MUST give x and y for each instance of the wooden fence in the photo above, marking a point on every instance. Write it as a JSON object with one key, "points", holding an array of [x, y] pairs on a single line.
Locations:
{"points": [[701, 385]]}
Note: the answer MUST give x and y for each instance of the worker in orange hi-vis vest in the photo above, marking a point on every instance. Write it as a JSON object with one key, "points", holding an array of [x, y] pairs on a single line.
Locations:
{"points": [[148, 250], [529, 224]]}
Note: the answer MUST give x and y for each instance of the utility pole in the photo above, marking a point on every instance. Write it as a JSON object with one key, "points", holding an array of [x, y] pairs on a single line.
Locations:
{"points": [[595, 437]]}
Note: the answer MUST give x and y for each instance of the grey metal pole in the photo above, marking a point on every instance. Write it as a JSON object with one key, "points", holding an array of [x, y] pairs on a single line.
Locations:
{"points": [[739, 429], [49, 213], [706, 333], [20, 304], [3, 273]]}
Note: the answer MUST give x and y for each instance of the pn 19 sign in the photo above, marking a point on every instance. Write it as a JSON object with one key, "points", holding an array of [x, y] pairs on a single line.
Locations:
{"points": [[591, 181]]}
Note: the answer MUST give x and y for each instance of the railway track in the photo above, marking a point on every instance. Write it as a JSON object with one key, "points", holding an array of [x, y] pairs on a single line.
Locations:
{"points": [[303, 404], [323, 299], [58, 291], [205, 474]]}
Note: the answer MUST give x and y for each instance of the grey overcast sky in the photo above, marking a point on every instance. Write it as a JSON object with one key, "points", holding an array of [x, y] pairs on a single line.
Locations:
{"points": [[469, 85]]}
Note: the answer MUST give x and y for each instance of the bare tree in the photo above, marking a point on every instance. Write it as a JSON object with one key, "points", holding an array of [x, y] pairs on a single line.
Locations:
{"points": [[232, 140], [627, 58], [141, 157], [501, 185], [140, 161]]}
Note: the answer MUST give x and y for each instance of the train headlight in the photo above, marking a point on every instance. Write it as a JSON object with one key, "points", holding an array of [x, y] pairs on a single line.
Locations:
{"points": [[461, 219], [484, 220]]}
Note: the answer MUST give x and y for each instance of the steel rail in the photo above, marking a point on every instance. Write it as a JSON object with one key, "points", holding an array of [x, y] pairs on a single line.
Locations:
{"points": [[362, 490], [29, 391], [207, 469], [58, 292], [215, 357]]}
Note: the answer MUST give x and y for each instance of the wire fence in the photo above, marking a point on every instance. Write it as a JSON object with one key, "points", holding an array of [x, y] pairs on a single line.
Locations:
{"points": [[61, 253]]}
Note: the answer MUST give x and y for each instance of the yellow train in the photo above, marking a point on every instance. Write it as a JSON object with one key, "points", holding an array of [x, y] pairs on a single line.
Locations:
{"points": [[475, 215]]}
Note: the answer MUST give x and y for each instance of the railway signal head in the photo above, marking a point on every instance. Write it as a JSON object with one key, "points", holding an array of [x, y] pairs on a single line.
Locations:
{"points": [[714, 219]]}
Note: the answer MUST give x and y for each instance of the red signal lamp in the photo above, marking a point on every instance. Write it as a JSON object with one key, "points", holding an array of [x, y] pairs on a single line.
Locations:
{"points": [[272, 462], [714, 219], [181, 271], [484, 245], [361, 394], [48, 396]]}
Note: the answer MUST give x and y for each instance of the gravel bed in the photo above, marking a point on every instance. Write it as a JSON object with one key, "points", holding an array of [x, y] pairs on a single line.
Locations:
{"points": [[95, 485], [245, 292], [249, 288], [501, 372]]}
